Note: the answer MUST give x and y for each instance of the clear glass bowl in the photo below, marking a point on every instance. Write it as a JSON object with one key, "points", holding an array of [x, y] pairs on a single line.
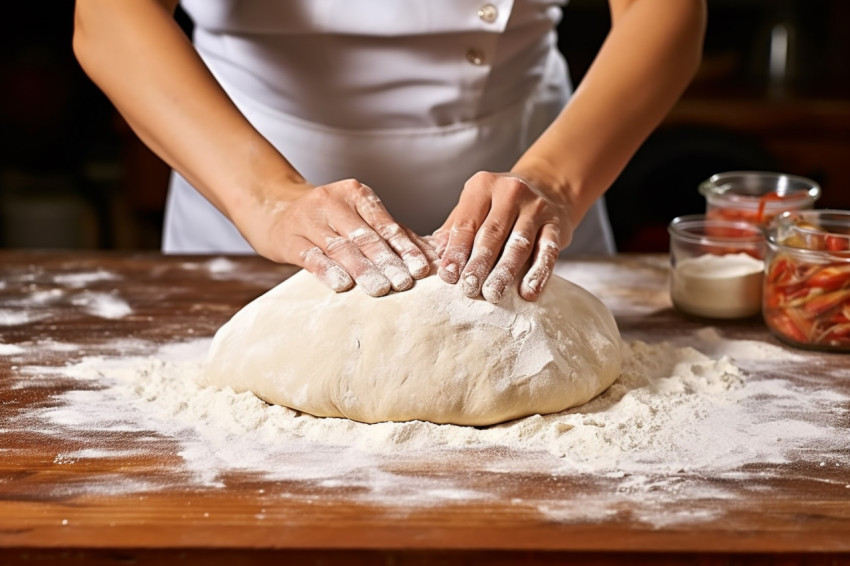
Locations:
{"points": [[757, 196], [716, 265], [807, 283]]}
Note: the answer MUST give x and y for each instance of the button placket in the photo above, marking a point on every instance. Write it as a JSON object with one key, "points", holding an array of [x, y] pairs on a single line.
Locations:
{"points": [[489, 14]]}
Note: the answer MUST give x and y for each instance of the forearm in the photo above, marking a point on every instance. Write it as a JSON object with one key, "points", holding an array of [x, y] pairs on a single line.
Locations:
{"points": [[135, 52], [646, 62]]}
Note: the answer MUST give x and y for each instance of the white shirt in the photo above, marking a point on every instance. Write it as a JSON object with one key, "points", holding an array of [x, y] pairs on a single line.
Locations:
{"points": [[410, 97]]}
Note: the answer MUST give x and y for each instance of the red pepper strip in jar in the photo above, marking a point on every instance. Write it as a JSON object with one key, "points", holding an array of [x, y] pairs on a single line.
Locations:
{"points": [[823, 303], [762, 213], [831, 277], [837, 243], [784, 325], [809, 303], [763, 202]]}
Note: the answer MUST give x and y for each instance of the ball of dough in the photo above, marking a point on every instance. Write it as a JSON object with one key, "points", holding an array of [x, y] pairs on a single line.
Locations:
{"points": [[429, 353]]}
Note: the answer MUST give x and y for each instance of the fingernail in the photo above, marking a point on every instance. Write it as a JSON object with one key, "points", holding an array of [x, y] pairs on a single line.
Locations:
{"points": [[492, 294], [531, 289], [449, 273], [374, 284], [470, 286], [399, 278], [338, 279], [418, 266]]}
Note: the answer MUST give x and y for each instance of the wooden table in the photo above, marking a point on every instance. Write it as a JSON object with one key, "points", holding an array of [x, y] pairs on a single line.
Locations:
{"points": [[86, 510]]}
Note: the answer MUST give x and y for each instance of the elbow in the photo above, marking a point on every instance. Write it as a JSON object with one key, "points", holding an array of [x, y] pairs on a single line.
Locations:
{"points": [[80, 41], [84, 41], [695, 36]]}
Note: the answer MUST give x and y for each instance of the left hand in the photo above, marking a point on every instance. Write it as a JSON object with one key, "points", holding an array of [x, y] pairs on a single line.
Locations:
{"points": [[500, 221]]}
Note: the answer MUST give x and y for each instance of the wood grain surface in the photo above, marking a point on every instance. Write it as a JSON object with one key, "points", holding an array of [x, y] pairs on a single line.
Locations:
{"points": [[86, 511]]}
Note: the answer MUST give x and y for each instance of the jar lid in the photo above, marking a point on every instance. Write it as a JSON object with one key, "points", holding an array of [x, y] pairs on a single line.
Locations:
{"points": [[760, 188]]}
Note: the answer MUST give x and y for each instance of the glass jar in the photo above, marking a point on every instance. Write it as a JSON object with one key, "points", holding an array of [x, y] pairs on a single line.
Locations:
{"points": [[716, 267], [807, 282], [756, 196]]}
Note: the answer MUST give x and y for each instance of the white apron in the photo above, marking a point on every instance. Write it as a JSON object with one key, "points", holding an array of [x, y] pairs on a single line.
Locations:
{"points": [[410, 97]]}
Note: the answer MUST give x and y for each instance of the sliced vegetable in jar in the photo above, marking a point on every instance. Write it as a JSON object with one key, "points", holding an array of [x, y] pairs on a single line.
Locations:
{"points": [[760, 210], [807, 287]]}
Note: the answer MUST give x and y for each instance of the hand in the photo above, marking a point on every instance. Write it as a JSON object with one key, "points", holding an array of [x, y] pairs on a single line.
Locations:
{"points": [[502, 212], [342, 234]]}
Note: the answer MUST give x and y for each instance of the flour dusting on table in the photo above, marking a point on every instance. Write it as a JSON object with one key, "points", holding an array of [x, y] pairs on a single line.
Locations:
{"points": [[674, 414]]}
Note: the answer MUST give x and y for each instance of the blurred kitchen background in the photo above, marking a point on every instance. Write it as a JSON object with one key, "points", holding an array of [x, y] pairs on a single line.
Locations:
{"points": [[773, 93]]}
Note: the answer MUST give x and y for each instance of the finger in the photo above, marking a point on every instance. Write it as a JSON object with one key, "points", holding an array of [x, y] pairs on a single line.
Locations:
{"points": [[466, 219], [406, 248], [545, 256], [376, 250], [457, 250], [518, 249], [324, 268], [413, 260], [349, 256], [440, 238], [489, 240], [426, 244]]}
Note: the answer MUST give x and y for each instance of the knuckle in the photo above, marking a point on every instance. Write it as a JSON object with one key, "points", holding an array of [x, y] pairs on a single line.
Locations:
{"points": [[549, 249], [481, 177], [519, 242], [465, 226], [350, 185], [511, 189], [336, 244], [364, 237], [539, 209], [322, 192], [514, 186], [391, 231], [493, 231], [310, 255]]}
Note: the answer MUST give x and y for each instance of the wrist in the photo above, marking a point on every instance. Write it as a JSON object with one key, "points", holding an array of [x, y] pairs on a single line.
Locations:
{"points": [[256, 207], [556, 187]]}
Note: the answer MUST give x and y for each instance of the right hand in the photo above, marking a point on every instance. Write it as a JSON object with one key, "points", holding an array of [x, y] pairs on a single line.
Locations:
{"points": [[342, 234]]}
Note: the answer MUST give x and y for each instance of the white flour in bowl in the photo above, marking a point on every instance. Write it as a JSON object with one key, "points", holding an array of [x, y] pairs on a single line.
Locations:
{"points": [[718, 286]]}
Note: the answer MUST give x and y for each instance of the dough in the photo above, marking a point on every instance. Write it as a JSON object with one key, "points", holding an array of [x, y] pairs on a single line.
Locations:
{"points": [[429, 353]]}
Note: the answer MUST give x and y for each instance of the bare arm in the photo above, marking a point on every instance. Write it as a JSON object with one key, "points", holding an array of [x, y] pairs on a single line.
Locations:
{"points": [[137, 54], [646, 62], [649, 57], [139, 57]]}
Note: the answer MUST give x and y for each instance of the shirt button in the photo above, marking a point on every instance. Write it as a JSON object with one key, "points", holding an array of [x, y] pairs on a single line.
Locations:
{"points": [[475, 56], [488, 13]]}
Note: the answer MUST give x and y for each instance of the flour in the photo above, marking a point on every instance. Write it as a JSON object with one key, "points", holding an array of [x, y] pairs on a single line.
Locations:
{"points": [[220, 265], [103, 305], [10, 317], [673, 410], [676, 415], [715, 286], [76, 289], [10, 349], [84, 279]]}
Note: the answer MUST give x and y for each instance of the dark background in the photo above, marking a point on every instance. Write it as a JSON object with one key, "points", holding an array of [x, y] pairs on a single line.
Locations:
{"points": [[73, 175]]}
